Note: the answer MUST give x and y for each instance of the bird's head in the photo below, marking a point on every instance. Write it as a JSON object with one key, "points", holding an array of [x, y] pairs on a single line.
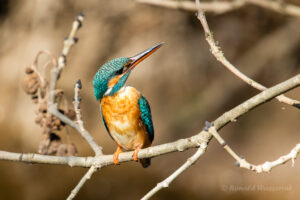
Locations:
{"points": [[111, 76]]}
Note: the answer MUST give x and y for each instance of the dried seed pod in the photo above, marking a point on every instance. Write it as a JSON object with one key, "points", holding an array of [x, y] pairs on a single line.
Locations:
{"points": [[43, 107], [53, 123], [57, 122], [48, 121], [29, 70], [54, 144], [44, 144], [58, 95], [46, 130], [72, 150], [62, 150], [71, 114], [54, 137], [39, 119], [59, 92], [35, 98], [31, 84], [66, 150]]}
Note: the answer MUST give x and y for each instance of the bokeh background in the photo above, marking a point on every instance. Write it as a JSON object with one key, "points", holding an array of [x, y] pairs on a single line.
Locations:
{"points": [[183, 82]]}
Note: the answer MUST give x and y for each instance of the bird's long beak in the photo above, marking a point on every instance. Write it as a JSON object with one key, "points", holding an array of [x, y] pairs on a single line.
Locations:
{"points": [[141, 56]]}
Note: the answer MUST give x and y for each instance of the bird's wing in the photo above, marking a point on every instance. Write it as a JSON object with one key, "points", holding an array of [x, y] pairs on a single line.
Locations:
{"points": [[146, 116]]}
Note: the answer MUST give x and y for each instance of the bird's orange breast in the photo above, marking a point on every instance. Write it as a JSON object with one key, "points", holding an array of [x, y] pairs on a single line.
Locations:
{"points": [[122, 116]]}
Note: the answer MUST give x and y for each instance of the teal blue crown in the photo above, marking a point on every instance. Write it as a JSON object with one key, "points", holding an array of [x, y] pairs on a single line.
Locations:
{"points": [[105, 73]]}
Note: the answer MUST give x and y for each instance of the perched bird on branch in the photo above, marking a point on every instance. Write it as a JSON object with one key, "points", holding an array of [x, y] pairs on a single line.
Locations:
{"points": [[124, 110]]}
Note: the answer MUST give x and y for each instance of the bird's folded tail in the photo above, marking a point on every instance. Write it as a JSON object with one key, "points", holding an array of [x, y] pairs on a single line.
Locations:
{"points": [[146, 162]]}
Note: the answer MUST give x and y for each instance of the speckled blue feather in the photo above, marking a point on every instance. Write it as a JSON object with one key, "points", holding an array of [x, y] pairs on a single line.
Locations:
{"points": [[146, 116], [106, 72], [120, 83]]}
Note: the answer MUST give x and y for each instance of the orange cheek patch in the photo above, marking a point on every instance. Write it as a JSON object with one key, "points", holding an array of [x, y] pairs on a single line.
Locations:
{"points": [[112, 82]]}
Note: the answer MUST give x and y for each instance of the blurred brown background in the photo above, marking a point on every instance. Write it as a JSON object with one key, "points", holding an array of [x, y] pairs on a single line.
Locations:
{"points": [[183, 82]]}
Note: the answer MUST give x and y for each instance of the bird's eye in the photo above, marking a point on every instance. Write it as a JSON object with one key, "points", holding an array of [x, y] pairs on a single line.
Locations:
{"points": [[123, 69], [120, 71]]}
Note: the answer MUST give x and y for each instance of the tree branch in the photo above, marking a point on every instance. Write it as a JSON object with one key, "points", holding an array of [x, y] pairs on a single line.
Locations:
{"points": [[97, 149], [265, 167], [84, 133], [197, 140], [216, 51], [220, 7], [220, 57], [55, 74], [68, 43], [52, 106], [86, 177], [165, 183]]}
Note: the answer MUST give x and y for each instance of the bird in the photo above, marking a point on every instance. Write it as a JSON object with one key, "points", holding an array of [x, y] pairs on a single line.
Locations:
{"points": [[125, 112]]}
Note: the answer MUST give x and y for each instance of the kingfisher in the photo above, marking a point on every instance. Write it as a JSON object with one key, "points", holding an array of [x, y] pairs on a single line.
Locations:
{"points": [[125, 112]]}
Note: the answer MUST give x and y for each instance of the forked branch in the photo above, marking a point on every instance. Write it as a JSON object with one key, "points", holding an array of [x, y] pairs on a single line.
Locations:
{"points": [[219, 55], [266, 166]]}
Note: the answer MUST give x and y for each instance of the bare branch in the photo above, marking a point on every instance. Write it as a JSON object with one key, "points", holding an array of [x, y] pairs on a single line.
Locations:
{"points": [[179, 145], [68, 43], [220, 7], [216, 51], [199, 140], [165, 183], [86, 177], [55, 74], [85, 134], [220, 122], [97, 149], [265, 167]]}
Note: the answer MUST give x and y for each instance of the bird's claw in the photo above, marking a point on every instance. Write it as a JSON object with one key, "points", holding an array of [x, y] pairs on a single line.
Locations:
{"points": [[116, 156], [134, 155]]}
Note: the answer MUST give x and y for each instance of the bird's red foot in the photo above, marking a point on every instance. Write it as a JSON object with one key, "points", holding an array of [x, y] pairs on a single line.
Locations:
{"points": [[116, 155], [134, 155]]}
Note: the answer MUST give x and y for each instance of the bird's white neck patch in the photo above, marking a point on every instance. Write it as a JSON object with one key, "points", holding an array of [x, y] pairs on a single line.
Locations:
{"points": [[108, 91]]}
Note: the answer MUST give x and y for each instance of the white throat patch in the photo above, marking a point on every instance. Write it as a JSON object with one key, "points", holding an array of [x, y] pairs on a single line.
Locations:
{"points": [[108, 91]]}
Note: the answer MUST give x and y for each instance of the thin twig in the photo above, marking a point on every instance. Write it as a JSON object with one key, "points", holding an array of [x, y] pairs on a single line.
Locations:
{"points": [[55, 74], [227, 117], [165, 183], [216, 51], [265, 167], [85, 134], [68, 43], [41, 71], [86, 177], [97, 149], [179, 145], [220, 7]]}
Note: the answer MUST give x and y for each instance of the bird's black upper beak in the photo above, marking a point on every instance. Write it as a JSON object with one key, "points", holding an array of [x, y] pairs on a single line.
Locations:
{"points": [[141, 56]]}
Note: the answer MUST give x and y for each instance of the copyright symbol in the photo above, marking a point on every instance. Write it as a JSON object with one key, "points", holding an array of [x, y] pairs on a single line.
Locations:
{"points": [[224, 188]]}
